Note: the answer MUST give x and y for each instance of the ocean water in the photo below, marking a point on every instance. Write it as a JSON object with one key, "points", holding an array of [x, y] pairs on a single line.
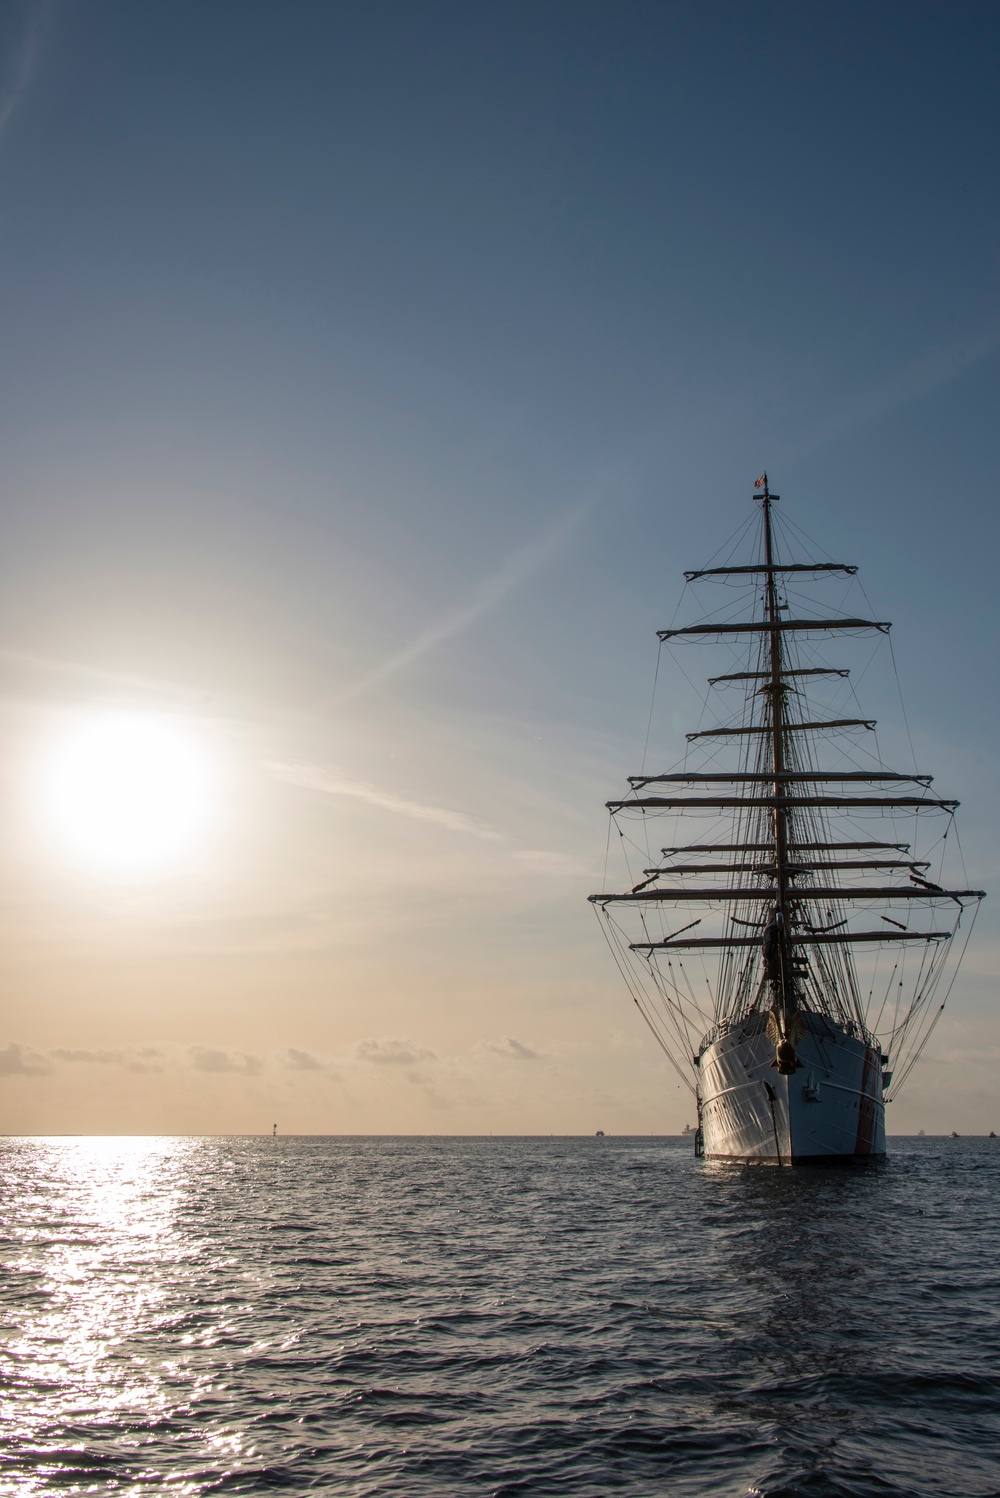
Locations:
{"points": [[496, 1316]]}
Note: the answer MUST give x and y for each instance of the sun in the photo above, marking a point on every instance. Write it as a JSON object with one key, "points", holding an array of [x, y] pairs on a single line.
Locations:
{"points": [[127, 793]]}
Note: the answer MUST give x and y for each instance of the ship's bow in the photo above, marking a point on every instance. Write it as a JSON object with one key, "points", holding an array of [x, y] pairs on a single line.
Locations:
{"points": [[829, 1111]]}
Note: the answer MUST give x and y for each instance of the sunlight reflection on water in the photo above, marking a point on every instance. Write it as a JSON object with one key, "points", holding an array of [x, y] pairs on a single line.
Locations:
{"points": [[107, 1269], [431, 1317]]}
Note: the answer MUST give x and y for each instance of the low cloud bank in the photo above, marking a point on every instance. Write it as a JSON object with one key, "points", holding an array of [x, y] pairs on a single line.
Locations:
{"points": [[382, 1051]]}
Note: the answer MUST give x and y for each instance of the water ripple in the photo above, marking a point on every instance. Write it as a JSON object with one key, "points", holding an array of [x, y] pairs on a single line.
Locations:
{"points": [[487, 1316]]}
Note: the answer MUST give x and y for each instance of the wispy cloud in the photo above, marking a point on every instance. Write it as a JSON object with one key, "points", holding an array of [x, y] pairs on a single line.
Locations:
{"points": [[512, 1050], [204, 1058], [934, 368], [488, 595], [90, 673], [392, 1052], [295, 1060], [322, 778], [130, 1058], [24, 60], [20, 1060]]}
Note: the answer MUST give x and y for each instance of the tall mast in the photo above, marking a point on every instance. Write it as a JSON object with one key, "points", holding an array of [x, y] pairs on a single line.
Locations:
{"points": [[776, 691], [777, 951]]}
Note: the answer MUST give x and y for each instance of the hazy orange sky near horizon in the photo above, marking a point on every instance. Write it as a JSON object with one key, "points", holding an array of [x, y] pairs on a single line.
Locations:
{"points": [[370, 376]]}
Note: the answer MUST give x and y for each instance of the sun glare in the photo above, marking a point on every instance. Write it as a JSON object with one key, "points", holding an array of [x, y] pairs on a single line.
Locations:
{"points": [[127, 793]]}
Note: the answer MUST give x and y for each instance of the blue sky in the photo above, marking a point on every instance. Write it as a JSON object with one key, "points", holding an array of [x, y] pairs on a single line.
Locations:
{"points": [[369, 375]]}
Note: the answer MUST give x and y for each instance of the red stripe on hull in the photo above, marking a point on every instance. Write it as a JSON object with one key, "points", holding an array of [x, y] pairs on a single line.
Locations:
{"points": [[866, 1106]]}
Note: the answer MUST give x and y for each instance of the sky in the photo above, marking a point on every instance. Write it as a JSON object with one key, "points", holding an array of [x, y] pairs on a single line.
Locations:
{"points": [[369, 375]]}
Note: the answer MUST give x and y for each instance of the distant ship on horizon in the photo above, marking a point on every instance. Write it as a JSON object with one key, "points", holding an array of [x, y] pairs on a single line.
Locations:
{"points": [[776, 948]]}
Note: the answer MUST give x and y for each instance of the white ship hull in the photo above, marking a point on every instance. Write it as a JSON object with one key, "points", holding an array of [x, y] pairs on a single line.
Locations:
{"points": [[829, 1112]]}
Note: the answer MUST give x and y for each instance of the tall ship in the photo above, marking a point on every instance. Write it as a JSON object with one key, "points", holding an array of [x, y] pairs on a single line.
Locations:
{"points": [[789, 925]]}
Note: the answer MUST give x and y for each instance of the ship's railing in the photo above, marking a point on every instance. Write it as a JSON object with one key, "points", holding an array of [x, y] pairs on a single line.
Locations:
{"points": [[724, 1027]]}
